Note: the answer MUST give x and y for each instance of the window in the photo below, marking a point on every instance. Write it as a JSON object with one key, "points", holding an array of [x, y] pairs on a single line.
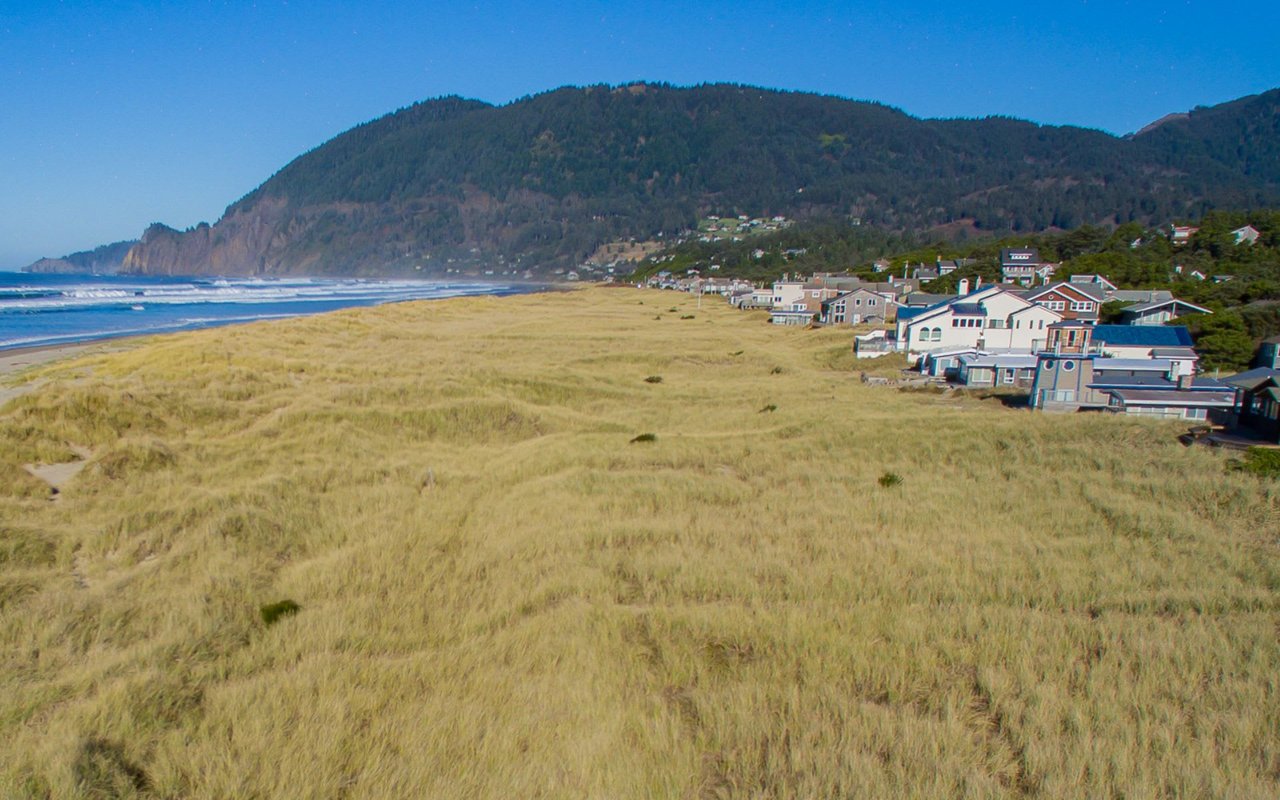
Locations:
{"points": [[1049, 363], [871, 301], [1081, 305], [955, 323], [1067, 366], [857, 301], [937, 334], [995, 323], [1007, 376]]}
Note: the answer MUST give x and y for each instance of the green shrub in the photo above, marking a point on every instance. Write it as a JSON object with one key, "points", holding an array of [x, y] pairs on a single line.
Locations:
{"points": [[645, 437], [890, 479], [653, 379], [1261, 461], [273, 612], [770, 408]]}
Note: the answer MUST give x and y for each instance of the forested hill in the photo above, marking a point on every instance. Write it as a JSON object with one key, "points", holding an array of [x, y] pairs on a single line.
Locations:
{"points": [[459, 184]]}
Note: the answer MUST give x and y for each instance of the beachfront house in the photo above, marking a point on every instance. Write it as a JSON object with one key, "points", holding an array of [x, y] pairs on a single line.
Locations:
{"points": [[991, 318], [855, 308], [1258, 402], [1075, 371]]}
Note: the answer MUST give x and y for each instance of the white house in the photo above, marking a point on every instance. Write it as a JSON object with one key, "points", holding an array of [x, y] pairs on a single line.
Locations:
{"points": [[991, 318], [1246, 235]]}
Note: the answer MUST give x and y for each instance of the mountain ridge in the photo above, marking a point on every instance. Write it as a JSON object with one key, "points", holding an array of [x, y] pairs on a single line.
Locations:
{"points": [[535, 184]]}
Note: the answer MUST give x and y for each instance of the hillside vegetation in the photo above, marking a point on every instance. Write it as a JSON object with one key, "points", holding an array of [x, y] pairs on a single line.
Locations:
{"points": [[452, 184], [426, 550]]}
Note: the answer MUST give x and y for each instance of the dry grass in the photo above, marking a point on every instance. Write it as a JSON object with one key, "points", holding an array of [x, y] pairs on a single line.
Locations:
{"points": [[500, 596]]}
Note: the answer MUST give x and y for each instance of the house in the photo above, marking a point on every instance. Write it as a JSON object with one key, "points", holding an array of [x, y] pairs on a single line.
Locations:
{"points": [[872, 344], [880, 265], [1258, 402], [1159, 312], [854, 308], [1073, 373], [997, 369], [1072, 301], [924, 274], [1191, 398], [798, 302], [946, 266], [1181, 234], [1019, 265], [1246, 235], [944, 362], [1268, 354], [991, 318]]}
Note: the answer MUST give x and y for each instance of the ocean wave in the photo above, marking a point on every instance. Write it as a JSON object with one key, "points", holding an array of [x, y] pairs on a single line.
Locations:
{"points": [[66, 310]]}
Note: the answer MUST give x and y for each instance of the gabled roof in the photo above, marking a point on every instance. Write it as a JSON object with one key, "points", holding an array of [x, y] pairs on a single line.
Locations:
{"points": [[1058, 286], [1173, 301], [1254, 378], [1141, 295], [1093, 280], [1142, 335]]}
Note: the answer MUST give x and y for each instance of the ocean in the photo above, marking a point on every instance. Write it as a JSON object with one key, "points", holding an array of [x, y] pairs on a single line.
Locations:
{"points": [[40, 310]]}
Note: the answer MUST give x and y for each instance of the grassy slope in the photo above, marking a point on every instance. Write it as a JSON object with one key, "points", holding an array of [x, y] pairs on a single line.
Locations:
{"points": [[501, 597]]}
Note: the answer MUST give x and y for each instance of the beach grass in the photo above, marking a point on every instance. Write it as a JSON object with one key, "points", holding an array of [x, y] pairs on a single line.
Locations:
{"points": [[497, 586]]}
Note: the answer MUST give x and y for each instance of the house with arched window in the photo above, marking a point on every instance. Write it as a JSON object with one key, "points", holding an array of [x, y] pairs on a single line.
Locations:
{"points": [[992, 318]]}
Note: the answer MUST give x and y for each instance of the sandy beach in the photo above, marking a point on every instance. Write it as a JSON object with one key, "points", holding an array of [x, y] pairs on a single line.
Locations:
{"points": [[15, 361]]}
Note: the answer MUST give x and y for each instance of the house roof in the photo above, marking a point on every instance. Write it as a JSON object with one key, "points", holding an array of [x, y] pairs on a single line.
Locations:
{"points": [[1154, 304], [1141, 295], [1131, 381], [1030, 256], [1173, 352], [926, 300], [1254, 378], [1063, 287], [1142, 335], [968, 308], [1132, 364], [1000, 360], [1175, 397], [1092, 279]]}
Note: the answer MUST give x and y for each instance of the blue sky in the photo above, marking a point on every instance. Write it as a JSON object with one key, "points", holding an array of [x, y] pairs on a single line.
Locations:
{"points": [[114, 115]]}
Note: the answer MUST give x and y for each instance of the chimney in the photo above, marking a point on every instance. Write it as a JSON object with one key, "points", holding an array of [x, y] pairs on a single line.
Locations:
{"points": [[1185, 381], [978, 285], [963, 287]]}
